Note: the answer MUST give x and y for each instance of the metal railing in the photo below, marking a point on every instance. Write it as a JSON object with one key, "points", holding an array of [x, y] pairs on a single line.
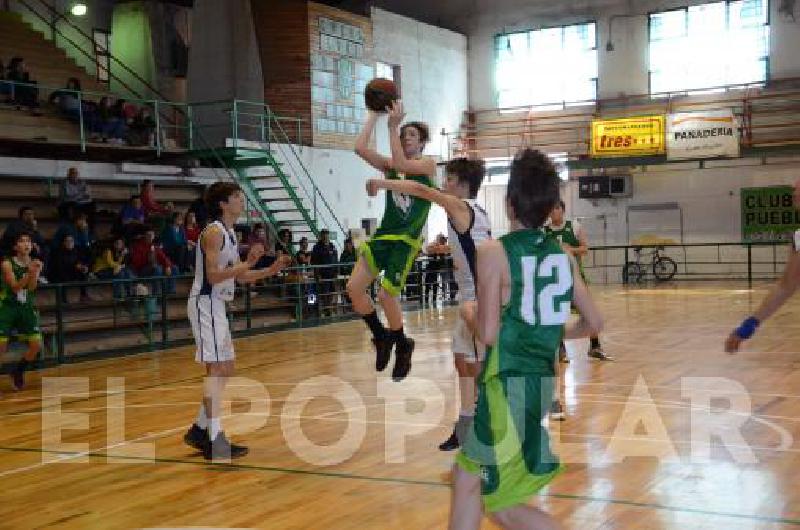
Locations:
{"points": [[151, 318], [695, 261]]}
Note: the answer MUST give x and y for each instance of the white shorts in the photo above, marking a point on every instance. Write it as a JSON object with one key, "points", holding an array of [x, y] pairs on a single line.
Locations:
{"points": [[210, 328], [464, 342]]}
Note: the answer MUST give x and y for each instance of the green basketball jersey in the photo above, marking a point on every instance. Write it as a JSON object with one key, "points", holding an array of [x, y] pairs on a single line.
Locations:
{"points": [[532, 323], [405, 215], [7, 295], [565, 234]]}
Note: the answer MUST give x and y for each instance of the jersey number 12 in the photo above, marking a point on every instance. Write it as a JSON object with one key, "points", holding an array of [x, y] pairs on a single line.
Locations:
{"points": [[550, 313]]}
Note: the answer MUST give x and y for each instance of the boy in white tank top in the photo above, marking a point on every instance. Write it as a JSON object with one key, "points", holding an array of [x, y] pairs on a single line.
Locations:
{"points": [[468, 225], [217, 270]]}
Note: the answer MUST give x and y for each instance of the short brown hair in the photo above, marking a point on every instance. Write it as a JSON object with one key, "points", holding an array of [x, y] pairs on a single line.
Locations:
{"points": [[217, 193], [422, 128], [533, 187], [468, 171]]}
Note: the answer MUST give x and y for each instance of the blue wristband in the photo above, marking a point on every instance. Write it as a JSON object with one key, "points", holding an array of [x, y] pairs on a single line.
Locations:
{"points": [[748, 328]]}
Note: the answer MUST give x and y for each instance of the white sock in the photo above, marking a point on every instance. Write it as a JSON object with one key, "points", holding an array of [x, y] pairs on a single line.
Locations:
{"points": [[202, 419], [215, 427]]}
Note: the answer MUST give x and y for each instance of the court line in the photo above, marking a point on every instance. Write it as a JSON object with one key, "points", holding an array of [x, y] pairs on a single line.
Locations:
{"points": [[418, 482]]}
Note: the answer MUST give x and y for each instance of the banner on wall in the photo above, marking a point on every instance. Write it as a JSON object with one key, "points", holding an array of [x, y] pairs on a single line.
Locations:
{"points": [[643, 135], [768, 214], [704, 134]]}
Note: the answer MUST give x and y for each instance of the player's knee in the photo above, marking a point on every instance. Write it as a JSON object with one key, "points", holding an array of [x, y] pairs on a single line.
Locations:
{"points": [[466, 483], [502, 518], [384, 296]]}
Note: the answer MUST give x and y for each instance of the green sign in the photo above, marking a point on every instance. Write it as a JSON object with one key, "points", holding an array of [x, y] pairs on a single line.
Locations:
{"points": [[768, 214]]}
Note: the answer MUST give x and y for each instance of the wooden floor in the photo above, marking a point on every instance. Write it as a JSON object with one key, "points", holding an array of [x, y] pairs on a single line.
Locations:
{"points": [[664, 339]]}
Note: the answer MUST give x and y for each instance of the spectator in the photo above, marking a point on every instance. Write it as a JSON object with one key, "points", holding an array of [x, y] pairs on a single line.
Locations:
{"points": [[241, 242], [142, 130], [67, 100], [111, 264], [26, 94], [155, 212], [348, 257], [303, 255], [173, 238], [324, 253], [259, 237], [200, 210], [76, 197], [25, 223], [192, 230], [149, 260], [109, 125], [284, 243], [131, 218], [81, 235], [67, 265]]}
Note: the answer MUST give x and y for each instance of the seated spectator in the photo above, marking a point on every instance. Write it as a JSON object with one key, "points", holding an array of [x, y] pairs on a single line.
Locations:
{"points": [[68, 101], [284, 243], [192, 230], [25, 91], [24, 223], [76, 197], [5, 88], [108, 125], [155, 212], [149, 260], [131, 218], [303, 255], [173, 239], [81, 235], [347, 258], [111, 264], [200, 210], [324, 253], [67, 265], [259, 237], [142, 129]]}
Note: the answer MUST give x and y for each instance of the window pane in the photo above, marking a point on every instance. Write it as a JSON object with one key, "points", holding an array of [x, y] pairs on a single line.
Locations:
{"points": [[530, 66], [721, 43]]}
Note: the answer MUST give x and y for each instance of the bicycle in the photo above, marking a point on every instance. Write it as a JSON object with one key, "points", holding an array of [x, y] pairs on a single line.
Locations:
{"points": [[663, 267]]}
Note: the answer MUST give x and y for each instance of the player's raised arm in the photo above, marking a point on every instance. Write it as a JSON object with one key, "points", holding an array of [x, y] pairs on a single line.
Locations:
{"points": [[457, 210], [591, 321], [362, 148]]}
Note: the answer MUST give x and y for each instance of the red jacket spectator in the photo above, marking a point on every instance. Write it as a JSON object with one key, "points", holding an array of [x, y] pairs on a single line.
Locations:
{"points": [[149, 203], [143, 250]]}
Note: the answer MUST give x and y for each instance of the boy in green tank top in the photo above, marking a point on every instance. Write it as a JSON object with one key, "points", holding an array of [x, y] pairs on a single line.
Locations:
{"points": [[395, 244], [526, 284], [19, 276]]}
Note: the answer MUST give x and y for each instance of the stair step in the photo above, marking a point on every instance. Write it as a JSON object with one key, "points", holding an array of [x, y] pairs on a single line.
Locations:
{"points": [[273, 188], [285, 210]]}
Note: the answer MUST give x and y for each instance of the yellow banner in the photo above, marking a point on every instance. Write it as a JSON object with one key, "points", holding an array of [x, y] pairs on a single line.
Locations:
{"points": [[642, 135]]}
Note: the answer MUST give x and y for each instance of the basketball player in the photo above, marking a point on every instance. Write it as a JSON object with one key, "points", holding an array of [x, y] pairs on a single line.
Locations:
{"points": [[526, 284], [20, 275], [781, 292], [392, 249], [217, 267], [468, 225]]}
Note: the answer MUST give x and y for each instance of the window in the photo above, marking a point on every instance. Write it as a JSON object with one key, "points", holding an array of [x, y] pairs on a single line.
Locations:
{"points": [[102, 47], [532, 69], [709, 46]]}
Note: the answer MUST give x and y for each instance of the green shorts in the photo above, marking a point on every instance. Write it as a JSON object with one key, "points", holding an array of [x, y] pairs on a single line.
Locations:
{"points": [[21, 320], [511, 469], [392, 256]]}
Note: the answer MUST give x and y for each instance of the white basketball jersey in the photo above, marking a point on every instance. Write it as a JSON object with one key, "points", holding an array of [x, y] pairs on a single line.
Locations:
{"points": [[464, 246], [228, 256]]}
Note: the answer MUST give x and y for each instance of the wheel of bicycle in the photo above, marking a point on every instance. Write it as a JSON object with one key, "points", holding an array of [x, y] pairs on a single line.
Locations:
{"points": [[664, 268], [632, 272]]}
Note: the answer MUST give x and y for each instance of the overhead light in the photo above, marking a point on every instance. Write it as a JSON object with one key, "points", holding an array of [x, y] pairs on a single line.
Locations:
{"points": [[79, 9]]}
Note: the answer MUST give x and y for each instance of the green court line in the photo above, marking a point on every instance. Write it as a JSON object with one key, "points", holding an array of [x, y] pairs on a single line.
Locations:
{"points": [[395, 480]]}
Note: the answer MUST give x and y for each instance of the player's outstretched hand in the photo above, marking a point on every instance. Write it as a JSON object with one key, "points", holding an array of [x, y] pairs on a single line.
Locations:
{"points": [[255, 254], [396, 113], [733, 342], [372, 187]]}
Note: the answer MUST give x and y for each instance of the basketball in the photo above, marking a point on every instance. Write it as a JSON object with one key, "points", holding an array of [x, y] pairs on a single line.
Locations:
{"points": [[379, 94]]}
